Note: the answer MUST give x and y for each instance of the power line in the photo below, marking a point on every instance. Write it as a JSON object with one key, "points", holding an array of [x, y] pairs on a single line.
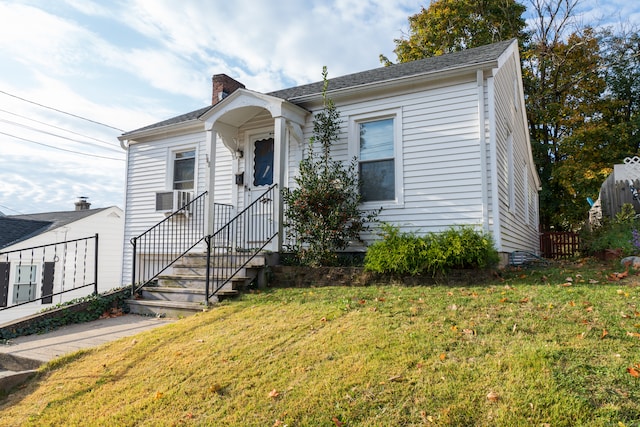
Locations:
{"points": [[60, 136], [61, 149], [7, 207], [112, 144], [60, 111]]}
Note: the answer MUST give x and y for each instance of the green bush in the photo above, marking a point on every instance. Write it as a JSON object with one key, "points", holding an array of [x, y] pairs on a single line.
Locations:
{"points": [[616, 233], [407, 253]]}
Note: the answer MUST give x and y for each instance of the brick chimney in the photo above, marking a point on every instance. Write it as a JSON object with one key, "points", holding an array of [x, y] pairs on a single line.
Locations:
{"points": [[223, 86], [82, 204]]}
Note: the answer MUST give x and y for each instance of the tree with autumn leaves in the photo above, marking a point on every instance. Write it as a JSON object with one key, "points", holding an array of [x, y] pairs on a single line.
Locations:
{"points": [[582, 89]]}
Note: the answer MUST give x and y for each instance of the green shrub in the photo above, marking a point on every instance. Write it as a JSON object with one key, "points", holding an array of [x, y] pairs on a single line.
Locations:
{"points": [[616, 233], [408, 253]]}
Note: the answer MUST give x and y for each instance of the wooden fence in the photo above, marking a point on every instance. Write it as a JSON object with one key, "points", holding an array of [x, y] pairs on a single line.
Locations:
{"points": [[558, 245], [614, 194]]}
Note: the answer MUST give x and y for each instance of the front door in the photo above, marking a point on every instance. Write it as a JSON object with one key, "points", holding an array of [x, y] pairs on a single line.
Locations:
{"points": [[259, 175]]}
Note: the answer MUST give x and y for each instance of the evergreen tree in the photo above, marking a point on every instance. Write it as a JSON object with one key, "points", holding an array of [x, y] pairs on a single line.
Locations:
{"points": [[323, 210]]}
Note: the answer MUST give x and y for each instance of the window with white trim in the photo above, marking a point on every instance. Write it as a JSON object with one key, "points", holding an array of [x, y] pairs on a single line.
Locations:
{"points": [[184, 166], [375, 142], [525, 179], [510, 176], [24, 286]]}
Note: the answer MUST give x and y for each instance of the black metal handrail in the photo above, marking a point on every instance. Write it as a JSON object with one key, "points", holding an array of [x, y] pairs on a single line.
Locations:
{"points": [[158, 248], [68, 263], [233, 246]]}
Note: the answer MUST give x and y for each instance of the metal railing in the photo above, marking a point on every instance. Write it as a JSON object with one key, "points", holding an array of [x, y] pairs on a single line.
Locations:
{"points": [[42, 272], [155, 250], [233, 246]]}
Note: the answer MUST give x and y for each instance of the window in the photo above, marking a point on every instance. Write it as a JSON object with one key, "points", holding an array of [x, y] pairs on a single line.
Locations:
{"points": [[184, 163], [263, 162], [377, 160], [510, 177], [24, 287]]}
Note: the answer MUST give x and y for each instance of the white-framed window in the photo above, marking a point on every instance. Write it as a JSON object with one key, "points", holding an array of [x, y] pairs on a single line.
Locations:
{"points": [[375, 140], [510, 175], [183, 169], [25, 283], [525, 180]]}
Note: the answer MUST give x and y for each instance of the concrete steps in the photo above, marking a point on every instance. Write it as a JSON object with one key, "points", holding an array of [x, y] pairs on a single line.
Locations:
{"points": [[181, 291], [15, 370]]}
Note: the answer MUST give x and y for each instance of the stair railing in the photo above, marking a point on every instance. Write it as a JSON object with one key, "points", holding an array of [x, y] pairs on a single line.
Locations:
{"points": [[158, 248], [234, 245]]}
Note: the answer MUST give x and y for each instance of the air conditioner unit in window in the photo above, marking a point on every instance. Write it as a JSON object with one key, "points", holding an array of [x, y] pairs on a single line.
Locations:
{"points": [[172, 201]]}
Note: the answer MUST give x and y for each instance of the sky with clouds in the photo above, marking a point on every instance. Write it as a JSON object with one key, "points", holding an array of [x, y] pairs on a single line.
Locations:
{"points": [[75, 74]]}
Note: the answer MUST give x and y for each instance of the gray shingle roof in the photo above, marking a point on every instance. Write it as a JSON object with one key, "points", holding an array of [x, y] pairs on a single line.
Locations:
{"points": [[468, 57], [16, 228], [450, 61]]}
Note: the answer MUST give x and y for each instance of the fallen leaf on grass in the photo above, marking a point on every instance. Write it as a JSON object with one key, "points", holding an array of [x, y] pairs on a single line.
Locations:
{"points": [[633, 372], [524, 300], [158, 395], [614, 277], [278, 423], [593, 281], [604, 333], [633, 334], [395, 379], [274, 393], [443, 356], [337, 422], [469, 331], [566, 284], [492, 396]]}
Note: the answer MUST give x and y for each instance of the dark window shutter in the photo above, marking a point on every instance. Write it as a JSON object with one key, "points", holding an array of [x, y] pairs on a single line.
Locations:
{"points": [[4, 283], [47, 282]]}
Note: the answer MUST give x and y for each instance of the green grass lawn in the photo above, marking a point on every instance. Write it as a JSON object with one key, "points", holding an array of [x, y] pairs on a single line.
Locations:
{"points": [[553, 347]]}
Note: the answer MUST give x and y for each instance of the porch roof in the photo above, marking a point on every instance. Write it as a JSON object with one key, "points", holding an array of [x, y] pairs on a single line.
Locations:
{"points": [[451, 61]]}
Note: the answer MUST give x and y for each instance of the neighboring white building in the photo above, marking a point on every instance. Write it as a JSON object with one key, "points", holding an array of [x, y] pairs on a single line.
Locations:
{"points": [[450, 137], [29, 274]]}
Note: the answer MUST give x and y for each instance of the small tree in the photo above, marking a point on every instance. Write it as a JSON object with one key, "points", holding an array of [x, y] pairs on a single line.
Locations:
{"points": [[323, 211]]}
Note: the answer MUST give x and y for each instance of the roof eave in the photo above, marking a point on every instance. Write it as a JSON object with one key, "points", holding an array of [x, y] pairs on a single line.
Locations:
{"points": [[449, 72], [173, 128]]}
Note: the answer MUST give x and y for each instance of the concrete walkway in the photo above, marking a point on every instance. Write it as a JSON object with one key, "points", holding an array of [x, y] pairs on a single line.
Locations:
{"points": [[70, 338]]}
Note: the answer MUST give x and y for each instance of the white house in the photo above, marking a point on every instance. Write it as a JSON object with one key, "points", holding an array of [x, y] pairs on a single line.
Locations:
{"points": [[449, 136], [48, 253]]}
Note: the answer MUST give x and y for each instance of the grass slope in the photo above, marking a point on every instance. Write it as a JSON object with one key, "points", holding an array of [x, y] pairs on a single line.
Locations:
{"points": [[533, 349]]}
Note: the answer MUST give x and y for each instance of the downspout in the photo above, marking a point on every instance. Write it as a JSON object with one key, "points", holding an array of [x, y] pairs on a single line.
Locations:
{"points": [[495, 195], [126, 245], [483, 151], [211, 137]]}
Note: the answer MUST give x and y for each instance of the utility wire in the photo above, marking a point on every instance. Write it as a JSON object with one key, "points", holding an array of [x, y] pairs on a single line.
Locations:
{"points": [[60, 136], [60, 111], [61, 149], [112, 144], [7, 207]]}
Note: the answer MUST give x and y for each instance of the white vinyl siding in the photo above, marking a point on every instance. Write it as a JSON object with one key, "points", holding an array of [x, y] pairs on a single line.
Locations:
{"points": [[108, 223], [512, 148]]}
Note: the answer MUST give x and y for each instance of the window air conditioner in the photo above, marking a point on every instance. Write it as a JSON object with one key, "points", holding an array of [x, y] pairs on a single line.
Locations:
{"points": [[172, 201]]}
